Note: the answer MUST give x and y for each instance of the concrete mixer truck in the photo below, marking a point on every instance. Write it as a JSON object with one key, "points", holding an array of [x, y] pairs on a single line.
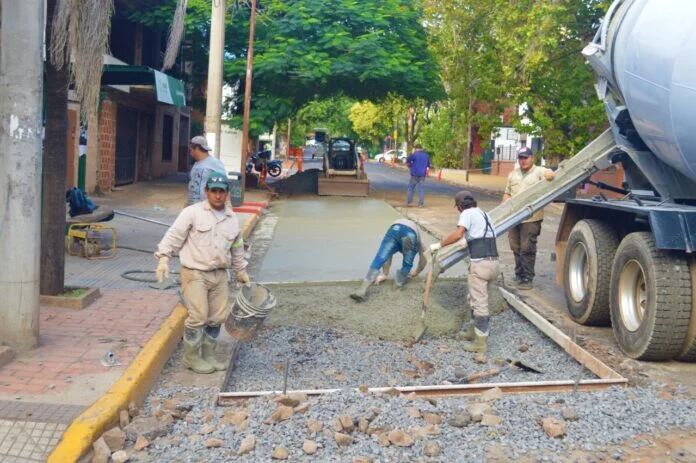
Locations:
{"points": [[631, 262]]}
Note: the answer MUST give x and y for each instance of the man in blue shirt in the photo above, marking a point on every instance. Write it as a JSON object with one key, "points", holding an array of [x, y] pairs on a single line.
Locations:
{"points": [[419, 163]]}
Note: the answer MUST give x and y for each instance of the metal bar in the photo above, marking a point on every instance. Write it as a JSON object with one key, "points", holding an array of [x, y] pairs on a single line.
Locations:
{"points": [[226, 398], [126, 214]]}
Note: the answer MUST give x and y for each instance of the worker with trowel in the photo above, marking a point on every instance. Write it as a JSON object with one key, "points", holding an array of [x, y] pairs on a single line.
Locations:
{"points": [[402, 236], [208, 240], [476, 227], [523, 237]]}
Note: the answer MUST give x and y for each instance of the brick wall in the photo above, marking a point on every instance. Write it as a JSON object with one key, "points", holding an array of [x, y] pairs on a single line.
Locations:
{"points": [[106, 173]]}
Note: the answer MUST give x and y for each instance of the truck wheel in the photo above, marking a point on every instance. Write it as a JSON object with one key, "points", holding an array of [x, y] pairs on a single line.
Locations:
{"points": [[688, 352], [587, 271], [650, 299]]}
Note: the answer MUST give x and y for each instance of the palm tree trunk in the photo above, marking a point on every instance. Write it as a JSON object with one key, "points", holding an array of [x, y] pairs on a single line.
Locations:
{"points": [[54, 172]]}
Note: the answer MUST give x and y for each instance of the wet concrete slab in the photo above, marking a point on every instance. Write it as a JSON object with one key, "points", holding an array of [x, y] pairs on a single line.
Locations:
{"points": [[328, 239]]}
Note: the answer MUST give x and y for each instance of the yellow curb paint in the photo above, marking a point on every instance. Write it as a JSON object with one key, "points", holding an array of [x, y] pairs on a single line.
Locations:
{"points": [[133, 385]]}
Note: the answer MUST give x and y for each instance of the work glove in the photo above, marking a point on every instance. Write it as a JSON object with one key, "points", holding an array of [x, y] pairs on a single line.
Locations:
{"points": [[435, 247], [243, 277], [162, 271], [549, 175]]}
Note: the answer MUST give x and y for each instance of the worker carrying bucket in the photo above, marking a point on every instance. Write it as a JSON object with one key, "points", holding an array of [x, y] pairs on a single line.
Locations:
{"points": [[402, 236], [207, 237], [476, 226]]}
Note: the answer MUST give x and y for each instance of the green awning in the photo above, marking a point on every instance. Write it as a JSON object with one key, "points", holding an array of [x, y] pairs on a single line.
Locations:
{"points": [[167, 89]]}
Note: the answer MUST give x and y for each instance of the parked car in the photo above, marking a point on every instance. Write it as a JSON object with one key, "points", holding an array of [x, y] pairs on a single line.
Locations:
{"points": [[389, 156]]}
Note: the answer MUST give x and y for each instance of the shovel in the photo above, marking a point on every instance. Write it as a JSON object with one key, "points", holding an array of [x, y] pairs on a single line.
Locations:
{"points": [[426, 297], [509, 363]]}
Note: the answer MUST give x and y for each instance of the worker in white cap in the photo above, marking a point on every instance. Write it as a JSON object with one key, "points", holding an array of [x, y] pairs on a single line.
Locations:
{"points": [[205, 164]]}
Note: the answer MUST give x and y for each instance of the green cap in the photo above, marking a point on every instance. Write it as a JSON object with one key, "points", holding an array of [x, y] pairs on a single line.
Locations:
{"points": [[217, 180]]}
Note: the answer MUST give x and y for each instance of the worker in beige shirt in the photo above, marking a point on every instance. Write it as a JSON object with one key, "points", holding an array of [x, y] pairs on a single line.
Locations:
{"points": [[207, 237], [523, 237]]}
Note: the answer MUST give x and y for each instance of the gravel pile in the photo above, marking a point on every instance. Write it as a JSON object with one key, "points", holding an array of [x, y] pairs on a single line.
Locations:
{"points": [[390, 428], [328, 358]]}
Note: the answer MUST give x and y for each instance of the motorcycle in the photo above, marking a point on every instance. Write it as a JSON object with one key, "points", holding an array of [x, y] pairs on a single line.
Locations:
{"points": [[274, 167]]}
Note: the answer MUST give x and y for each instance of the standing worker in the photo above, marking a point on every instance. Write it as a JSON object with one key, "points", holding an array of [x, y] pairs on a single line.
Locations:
{"points": [[523, 237], [209, 241], [402, 236], [476, 226], [419, 163], [205, 164]]}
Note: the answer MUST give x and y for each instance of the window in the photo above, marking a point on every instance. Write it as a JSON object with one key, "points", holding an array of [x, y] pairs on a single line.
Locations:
{"points": [[167, 135]]}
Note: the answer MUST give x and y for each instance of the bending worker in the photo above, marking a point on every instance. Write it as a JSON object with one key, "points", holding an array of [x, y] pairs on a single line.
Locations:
{"points": [[209, 241], [476, 226], [402, 236], [523, 237]]}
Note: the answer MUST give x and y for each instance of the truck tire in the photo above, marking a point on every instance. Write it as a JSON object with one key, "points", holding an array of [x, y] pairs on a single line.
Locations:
{"points": [[688, 352], [650, 299], [587, 271]]}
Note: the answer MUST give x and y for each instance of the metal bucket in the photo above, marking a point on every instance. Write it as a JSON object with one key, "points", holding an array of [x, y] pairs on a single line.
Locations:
{"points": [[251, 306]]}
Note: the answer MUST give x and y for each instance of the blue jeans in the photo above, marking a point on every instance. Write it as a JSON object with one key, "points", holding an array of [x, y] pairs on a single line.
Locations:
{"points": [[412, 184], [399, 238]]}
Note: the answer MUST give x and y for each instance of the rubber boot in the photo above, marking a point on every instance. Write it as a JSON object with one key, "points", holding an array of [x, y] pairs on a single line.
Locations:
{"points": [[208, 347], [361, 294], [466, 333], [192, 345], [479, 344]]}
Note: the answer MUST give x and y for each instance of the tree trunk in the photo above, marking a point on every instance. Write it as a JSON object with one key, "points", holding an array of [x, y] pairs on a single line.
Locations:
{"points": [[54, 172]]}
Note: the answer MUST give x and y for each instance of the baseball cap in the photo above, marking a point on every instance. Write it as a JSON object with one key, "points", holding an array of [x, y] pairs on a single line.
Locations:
{"points": [[200, 141], [217, 180], [464, 197], [524, 152]]}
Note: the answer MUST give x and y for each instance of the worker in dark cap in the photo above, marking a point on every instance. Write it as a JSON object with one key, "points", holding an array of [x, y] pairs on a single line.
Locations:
{"points": [[523, 237], [477, 228]]}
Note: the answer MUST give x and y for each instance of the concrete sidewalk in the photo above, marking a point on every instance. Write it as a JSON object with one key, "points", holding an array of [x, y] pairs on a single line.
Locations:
{"points": [[43, 390]]}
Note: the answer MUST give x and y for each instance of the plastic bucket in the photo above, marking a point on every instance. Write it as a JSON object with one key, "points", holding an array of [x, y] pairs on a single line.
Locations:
{"points": [[251, 306]]}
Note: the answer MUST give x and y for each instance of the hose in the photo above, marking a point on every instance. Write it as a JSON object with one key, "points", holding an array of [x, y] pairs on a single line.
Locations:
{"points": [[128, 275]]}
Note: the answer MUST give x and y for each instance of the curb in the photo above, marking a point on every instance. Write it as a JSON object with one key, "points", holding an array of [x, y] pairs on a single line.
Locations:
{"points": [[133, 385]]}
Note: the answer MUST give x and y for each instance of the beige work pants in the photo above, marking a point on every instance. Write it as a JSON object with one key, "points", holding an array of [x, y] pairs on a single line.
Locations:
{"points": [[481, 273], [206, 297]]}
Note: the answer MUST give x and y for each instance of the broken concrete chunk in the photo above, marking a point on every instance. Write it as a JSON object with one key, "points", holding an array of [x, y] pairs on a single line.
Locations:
{"points": [[342, 439], [281, 413], [115, 439], [460, 420], [491, 420], [383, 440], [123, 418], [553, 427], [247, 445], [133, 410], [363, 424], [477, 410], [362, 459], [213, 442], [293, 399], [141, 443], [432, 418], [347, 423], [119, 457], [492, 394], [400, 438], [480, 358], [413, 412], [101, 452], [147, 426], [302, 408], [314, 426], [208, 428], [309, 447], [280, 453], [235, 417], [431, 449]]}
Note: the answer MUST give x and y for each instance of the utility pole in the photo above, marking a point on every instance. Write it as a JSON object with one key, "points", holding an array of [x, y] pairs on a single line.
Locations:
{"points": [[21, 89], [247, 92], [213, 104]]}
